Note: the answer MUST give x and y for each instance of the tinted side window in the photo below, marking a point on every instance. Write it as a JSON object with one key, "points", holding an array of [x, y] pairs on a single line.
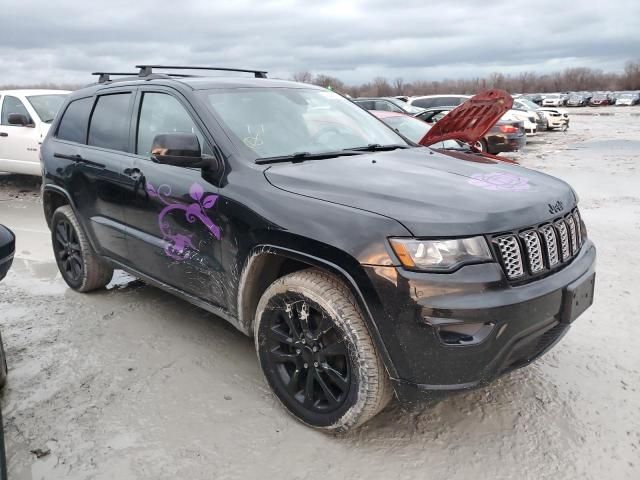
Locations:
{"points": [[387, 106], [366, 104], [109, 126], [423, 103], [74, 122], [162, 113], [13, 105], [447, 101]]}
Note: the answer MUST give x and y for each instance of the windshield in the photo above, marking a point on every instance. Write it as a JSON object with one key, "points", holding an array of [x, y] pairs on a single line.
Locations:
{"points": [[628, 95], [46, 106], [273, 122], [415, 130]]}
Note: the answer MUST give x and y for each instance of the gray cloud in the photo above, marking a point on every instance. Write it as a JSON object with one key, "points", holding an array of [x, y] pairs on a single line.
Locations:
{"points": [[63, 41]]}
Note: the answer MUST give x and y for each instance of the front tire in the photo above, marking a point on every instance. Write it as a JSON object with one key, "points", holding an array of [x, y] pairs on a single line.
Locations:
{"points": [[316, 352], [80, 266]]}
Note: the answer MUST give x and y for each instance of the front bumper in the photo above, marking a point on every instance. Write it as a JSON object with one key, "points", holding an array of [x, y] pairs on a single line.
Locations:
{"points": [[516, 324]]}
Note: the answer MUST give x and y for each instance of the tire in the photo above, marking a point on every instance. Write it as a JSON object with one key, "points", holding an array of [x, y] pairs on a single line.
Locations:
{"points": [[80, 266], [349, 384], [482, 145]]}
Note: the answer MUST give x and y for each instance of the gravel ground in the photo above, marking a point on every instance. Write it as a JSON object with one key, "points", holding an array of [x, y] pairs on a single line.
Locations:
{"points": [[131, 383]]}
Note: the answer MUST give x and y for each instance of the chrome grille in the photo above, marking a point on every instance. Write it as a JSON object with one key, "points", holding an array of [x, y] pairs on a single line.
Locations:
{"points": [[551, 242], [511, 257], [533, 250]]}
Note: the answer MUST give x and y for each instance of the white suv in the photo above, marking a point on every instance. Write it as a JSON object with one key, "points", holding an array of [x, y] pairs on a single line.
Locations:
{"points": [[25, 116]]}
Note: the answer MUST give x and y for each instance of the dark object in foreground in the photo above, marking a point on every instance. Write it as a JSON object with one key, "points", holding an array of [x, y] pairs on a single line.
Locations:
{"points": [[7, 249], [362, 264]]}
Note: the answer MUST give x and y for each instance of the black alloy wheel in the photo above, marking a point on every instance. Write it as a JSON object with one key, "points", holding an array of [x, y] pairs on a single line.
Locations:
{"points": [[308, 353], [316, 352], [67, 250], [79, 265]]}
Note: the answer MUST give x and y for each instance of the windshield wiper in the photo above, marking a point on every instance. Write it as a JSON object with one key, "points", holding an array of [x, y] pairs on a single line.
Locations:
{"points": [[302, 156], [376, 147]]}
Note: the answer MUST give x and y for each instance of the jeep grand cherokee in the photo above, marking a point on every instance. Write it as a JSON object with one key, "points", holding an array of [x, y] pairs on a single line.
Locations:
{"points": [[362, 263]]}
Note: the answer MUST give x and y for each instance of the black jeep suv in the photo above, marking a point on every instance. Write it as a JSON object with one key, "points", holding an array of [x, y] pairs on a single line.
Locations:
{"points": [[362, 264]]}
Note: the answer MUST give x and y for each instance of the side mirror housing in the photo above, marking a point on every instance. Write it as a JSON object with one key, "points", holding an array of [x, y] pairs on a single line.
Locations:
{"points": [[178, 149], [19, 119]]}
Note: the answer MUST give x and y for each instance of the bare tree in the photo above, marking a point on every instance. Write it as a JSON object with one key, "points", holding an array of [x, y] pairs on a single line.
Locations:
{"points": [[303, 76]]}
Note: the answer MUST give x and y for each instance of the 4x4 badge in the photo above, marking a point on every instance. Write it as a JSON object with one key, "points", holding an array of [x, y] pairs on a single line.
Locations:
{"points": [[179, 243], [556, 207]]}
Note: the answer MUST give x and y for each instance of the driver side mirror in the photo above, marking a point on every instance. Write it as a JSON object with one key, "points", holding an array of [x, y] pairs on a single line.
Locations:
{"points": [[19, 119], [178, 149]]}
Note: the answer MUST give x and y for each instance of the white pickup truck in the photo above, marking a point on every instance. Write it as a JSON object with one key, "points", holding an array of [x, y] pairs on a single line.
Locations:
{"points": [[25, 116]]}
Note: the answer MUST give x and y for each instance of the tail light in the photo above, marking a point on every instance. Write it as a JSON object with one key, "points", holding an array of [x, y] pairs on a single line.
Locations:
{"points": [[509, 129]]}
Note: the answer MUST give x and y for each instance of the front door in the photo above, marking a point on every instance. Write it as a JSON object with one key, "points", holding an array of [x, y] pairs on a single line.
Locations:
{"points": [[172, 231], [19, 145]]}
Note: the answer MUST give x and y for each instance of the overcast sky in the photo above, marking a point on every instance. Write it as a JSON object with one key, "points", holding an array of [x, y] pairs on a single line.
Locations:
{"points": [[65, 40]]}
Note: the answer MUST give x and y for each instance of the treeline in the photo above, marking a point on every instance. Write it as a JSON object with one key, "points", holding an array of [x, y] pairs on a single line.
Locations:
{"points": [[568, 80]]}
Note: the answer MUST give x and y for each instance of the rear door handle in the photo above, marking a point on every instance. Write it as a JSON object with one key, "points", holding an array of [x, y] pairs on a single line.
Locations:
{"points": [[4, 134], [79, 159], [75, 158]]}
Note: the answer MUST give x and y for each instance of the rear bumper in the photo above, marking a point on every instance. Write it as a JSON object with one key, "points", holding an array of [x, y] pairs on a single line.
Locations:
{"points": [[516, 324]]}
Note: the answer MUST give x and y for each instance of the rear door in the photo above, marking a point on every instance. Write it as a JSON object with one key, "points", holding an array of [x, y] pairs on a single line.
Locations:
{"points": [[173, 234], [90, 161], [19, 145]]}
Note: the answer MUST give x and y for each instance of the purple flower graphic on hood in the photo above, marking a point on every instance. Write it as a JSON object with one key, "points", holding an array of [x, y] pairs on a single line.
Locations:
{"points": [[179, 244], [500, 181]]}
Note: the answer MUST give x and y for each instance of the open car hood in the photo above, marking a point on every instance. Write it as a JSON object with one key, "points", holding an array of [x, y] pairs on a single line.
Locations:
{"points": [[469, 121]]}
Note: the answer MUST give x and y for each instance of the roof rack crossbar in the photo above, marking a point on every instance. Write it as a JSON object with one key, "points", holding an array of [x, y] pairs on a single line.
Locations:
{"points": [[104, 77], [146, 70]]}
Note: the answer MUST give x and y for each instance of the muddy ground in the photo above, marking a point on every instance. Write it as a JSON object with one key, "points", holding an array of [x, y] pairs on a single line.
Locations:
{"points": [[132, 383]]}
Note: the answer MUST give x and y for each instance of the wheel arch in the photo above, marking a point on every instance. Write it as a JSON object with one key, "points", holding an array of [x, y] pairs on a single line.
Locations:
{"points": [[54, 197], [266, 263]]}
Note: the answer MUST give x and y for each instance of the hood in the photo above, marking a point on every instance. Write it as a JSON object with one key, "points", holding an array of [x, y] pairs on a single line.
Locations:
{"points": [[433, 194], [469, 121]]}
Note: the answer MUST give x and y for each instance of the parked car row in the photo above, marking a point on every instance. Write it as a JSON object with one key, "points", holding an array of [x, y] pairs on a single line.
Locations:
{"points": [[583, 99], [525, 118]]}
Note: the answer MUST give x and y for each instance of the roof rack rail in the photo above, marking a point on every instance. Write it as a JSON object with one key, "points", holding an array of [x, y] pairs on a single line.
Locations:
{"points": [[106, 76], [146, 70]]}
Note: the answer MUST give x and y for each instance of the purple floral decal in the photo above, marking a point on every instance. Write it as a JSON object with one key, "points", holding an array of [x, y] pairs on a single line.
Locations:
{"points": [[500, 181], [179, 244]]}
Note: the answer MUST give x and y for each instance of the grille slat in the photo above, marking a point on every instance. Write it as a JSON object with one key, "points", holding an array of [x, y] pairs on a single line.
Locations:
{"points": [[534, 250], [563, 234], [572, 233], [551, 242], [511, 257]]}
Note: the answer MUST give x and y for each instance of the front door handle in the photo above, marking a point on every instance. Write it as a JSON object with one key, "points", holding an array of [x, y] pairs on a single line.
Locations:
{"points": [[133, 173], [4, 134]]}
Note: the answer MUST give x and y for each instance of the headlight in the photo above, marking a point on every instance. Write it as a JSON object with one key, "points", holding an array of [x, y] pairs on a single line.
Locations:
{"points": [[440, 255]]}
